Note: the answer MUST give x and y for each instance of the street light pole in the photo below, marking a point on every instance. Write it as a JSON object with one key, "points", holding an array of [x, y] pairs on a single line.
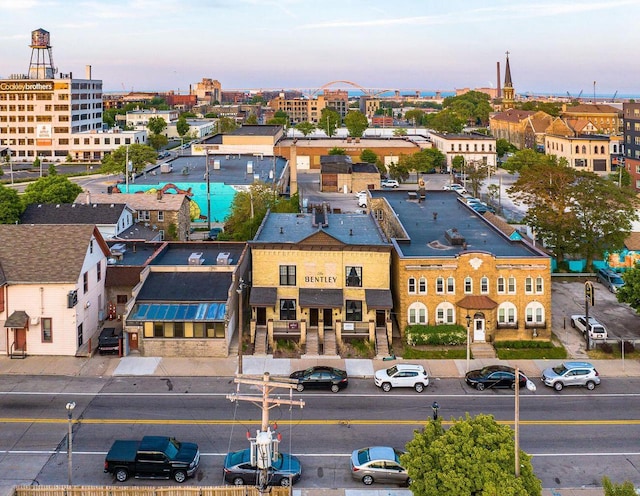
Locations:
{"points": [[468, 318], [70, 406], [241, 286], [517, 422]]}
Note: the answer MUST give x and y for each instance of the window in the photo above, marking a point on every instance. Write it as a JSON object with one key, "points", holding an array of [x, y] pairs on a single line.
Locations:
{"points": [[534, 313], [417, 313], [528, 285], [287, 275], [512, 285], [440, 285], [160, 216], [451, 285], [500, 285], [445, 314], [287, 309], [354, 277], [144, 215], [354, 311], [484, 285], [422, 285], [121, 299], [412, 285], [158, 330], [85, 282], [468, 285], [539, 285], [178, 329], [99, 271], [45, 325], [506, 314], [91, 246]]}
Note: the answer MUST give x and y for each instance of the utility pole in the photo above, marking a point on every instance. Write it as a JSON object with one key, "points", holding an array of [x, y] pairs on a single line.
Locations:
{"points": [[264, 448]]}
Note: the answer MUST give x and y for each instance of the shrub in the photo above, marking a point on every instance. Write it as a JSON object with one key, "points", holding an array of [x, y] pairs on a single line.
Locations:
{"points": [[438, 335], [522, 344]]}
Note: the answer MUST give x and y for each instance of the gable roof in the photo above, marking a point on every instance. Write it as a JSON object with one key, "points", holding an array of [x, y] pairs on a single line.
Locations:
{"points": [[46, 253], [632, 242], [585, 108], [513, 115], [137, 201], [73, 213]]}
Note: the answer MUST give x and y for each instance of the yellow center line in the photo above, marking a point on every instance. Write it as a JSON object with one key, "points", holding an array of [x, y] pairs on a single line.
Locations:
{"points": [[420, 422]]}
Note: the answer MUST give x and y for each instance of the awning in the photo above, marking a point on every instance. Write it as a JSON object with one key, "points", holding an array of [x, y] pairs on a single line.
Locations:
{"points": [[263, 297], [17, 320], [477, 303], [178, 312], [320, 298], [378, 299]]}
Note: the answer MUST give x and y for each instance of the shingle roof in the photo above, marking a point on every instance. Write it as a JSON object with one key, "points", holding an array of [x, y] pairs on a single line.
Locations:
{"points": [[72, 213], [186, 286], [513, 115], [633, 241], [137, 201], [593, 109], [51, 253]]}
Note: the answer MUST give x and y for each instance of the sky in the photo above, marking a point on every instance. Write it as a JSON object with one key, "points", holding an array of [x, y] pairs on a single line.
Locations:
{"points": [[407, 45]]}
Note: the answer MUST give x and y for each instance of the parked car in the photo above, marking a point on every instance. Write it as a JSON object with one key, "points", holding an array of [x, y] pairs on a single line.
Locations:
{"points": [[389, 183], [321, 377], [494, 376], [571, 374], [455, 187], [239, 471], [596, 329], [402, 375], [154, 457], [611, 280], [109, 341], [214, 232], [378, 464], [363, 198]]}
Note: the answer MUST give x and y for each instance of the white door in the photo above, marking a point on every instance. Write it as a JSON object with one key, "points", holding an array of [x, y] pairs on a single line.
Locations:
{"points": [[478, 330], [303, 162]]}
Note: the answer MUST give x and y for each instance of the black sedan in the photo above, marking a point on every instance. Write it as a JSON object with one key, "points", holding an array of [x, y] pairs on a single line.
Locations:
{"points": [[494, 376], [321, 377]]}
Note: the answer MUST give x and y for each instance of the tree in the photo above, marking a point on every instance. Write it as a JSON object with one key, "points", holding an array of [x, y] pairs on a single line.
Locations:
{"points": [[399, 171], [523, 159], [226, 125], [611, 489], [503, 146], [157, 141], [10, 205], [337, 151], [369, 156], [415, 116], [329, 121], [630, 291], [280, 118], [356, 123], [306, 128], [400, 131], [446, 121], [182, 126], [252, 119], [476, 173], [51, 189], [139, 156], [156, 125], [474, 457]]}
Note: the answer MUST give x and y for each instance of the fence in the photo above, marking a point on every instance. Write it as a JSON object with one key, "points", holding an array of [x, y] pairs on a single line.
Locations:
{"points": [[147, 491]]}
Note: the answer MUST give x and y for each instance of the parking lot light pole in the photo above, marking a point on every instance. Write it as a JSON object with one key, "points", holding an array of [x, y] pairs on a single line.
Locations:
{"points": [[468, 318], [70, 406]]}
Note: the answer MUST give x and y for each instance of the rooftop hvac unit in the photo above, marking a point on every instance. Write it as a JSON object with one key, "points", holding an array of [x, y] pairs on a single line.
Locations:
{"points": [[196, 259], [223, 258], [118, 249]]}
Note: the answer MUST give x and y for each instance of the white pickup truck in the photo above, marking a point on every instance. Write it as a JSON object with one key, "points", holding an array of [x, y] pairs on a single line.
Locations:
{"points": [[596, 329]]}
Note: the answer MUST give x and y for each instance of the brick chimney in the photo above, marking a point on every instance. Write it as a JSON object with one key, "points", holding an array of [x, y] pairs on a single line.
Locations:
{"points": [[293, 169]]}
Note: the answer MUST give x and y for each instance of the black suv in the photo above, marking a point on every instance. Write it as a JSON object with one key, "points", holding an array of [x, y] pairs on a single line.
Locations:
{"points": [[109, 341]]}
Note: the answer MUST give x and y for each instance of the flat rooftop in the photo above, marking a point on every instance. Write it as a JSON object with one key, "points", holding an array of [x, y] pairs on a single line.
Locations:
{"points": [[427, 233], [177, 254]]}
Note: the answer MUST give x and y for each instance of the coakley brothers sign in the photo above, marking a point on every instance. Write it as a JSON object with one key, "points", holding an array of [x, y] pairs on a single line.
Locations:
{"points": [[26, 86]]}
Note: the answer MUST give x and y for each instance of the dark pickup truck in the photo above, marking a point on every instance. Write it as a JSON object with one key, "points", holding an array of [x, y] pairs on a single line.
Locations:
{"points": [[154, 457], [109, 341]]}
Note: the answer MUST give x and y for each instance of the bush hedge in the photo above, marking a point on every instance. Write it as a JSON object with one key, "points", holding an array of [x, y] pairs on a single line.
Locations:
{"points": [[436, 335]]}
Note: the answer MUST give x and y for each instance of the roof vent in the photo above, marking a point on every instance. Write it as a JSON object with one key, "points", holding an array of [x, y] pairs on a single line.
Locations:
{"points": [[196, 258], [223, 258], [454, 237], [281, 230]]}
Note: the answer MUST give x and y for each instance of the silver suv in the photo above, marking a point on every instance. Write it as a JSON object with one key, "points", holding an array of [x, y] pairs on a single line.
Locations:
{"points": [[402, 375], [571, 374]]}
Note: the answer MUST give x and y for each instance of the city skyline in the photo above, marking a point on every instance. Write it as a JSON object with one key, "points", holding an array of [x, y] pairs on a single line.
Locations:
{"points": [[163, 45]]}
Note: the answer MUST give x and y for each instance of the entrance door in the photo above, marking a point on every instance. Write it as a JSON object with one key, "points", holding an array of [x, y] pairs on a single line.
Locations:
{"points": [[478, 330], [20, 336], [381, 318], [261, 316], [327, 316], [313, 317], [133, 341]]}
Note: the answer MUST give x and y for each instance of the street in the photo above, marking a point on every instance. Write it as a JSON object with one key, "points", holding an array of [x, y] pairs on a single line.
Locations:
{"points": [[575, 437]]}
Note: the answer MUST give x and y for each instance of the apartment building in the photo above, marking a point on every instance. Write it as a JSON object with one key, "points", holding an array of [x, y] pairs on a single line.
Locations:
{"points": [[474, 148], [631, 123]]}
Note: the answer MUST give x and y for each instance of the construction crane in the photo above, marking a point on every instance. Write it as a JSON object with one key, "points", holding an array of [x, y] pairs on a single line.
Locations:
{"points": [[575, 98], [613, 98]]}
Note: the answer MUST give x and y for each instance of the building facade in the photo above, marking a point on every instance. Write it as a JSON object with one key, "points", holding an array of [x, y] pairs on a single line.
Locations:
{"points": [[474, 148], [631, 122]]}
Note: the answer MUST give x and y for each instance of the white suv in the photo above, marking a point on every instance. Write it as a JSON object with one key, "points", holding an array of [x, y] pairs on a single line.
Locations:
{"points": [[571, 374], [402, 375]]}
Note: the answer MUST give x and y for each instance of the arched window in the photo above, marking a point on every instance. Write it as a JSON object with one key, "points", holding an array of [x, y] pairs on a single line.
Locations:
{"points": [[501, 287], [584, 149], [511, 288], [602, 150], [595, 150], [422, 285], [528, 285], [412, 285], [539, 285], [534, 313], [417, 313], [440, 285], [445, 313], [577, 149], [484, 285], [451, 285], [507, 314], [468, 285]]}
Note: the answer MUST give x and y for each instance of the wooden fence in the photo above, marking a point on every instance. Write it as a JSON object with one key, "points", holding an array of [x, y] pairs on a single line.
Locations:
{"points": [[147, 491]]}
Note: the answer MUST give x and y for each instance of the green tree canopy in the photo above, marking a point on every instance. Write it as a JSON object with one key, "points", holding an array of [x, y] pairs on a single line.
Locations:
{"points": [[252, 119], [474, 457], [337, 151], [139, 156], [612, 489], [306, 128], [415, 116], [356, 123], [226, 125], [182, 126], [630, 291], [10, 205], [369, 156], [523, 159], [503, 146], [472, 107], [400, 131], [157, 141], [188, 115], [51, 189], [249, 208], [445, 121], [475, 172], [156, 125], [329, 121]]}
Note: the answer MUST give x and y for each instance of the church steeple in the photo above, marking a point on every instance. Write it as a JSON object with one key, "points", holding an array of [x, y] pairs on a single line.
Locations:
{"points": [[508, 93]]}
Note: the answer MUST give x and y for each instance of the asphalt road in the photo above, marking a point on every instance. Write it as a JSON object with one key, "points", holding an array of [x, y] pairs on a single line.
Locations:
{"points": [[575, 436]]}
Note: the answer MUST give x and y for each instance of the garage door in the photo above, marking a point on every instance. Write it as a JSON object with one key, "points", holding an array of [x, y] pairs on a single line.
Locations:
{"points": [[303, 162]]}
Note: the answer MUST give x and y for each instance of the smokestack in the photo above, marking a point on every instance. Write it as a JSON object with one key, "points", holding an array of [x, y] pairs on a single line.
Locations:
{"points": [[499, 91], [87, 72], [88, 197]]}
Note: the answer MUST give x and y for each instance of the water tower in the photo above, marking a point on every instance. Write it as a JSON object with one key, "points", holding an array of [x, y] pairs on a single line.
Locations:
{"points": [[41, 64]]}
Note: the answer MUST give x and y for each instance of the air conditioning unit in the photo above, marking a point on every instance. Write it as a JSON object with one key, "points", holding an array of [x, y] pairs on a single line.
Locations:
{"points": [[223, 258], [35, 320], [196, 258]]}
